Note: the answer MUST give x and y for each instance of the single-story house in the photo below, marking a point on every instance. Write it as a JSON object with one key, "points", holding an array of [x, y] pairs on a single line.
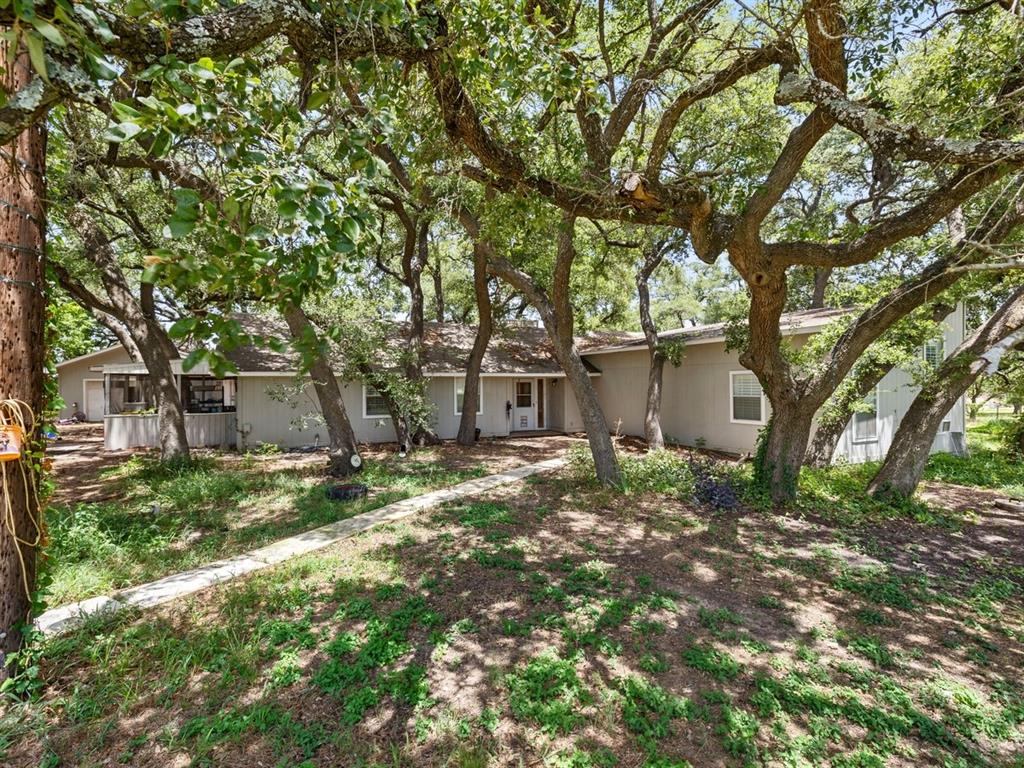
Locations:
{"points": [[711, 400], [708, 400]]}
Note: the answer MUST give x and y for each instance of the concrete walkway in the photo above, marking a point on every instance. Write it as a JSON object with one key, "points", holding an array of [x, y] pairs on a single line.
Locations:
{"points": [[67, 617]]}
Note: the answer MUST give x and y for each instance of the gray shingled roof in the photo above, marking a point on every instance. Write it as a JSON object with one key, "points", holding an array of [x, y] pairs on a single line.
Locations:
{"points": [[790, 323], [513, 349]]}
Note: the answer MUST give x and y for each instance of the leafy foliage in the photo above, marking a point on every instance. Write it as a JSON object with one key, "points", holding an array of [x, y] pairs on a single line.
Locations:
{"points": [[548, 691]]}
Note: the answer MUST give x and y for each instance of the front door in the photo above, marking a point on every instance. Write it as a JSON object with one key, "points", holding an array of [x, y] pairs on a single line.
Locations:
{"points": [[524, 412], [93, 405]]}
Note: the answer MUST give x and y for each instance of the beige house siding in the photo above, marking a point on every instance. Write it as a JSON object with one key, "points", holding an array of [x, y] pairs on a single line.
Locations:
{"points": [[696, 397], [71, 376], [294, 422], [492, 422], [895, 394], [572, 421]]}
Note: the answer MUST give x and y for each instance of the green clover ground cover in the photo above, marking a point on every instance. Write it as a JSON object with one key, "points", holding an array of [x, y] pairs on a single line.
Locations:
{"points": [[548, 624]]}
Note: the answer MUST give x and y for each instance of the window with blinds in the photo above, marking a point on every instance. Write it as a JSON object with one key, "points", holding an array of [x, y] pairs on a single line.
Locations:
{"points": [[865, 422], [460, 393], [747, 398], [373, 404]]}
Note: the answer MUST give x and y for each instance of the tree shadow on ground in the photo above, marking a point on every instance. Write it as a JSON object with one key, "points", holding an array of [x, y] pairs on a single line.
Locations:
{"points": [[559, 624]]}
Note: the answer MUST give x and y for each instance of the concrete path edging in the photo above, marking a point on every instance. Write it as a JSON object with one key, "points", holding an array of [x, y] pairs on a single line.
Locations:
{"points": [[68, 617]]}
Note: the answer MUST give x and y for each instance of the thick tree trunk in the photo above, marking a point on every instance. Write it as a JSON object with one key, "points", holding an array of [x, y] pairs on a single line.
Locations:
{"points": [[606, 464], [342, 439], [821, 278], [413, 262], [138, 315], [981, 353], [22, 309], [170, 412], [781, 454], [558, 320], [784, 440], [652, 413], [438, 291], [467, 422], [556, 313]]}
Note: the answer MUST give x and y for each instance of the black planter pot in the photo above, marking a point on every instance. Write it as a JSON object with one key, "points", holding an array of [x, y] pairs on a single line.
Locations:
{"points": [[346, 492]]}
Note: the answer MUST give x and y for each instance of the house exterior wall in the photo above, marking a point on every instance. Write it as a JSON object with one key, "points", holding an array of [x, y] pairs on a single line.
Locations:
{"points": [[491, 423], [72, 375], [266, 419], [895, 394], [572, 421], [696, 397]]}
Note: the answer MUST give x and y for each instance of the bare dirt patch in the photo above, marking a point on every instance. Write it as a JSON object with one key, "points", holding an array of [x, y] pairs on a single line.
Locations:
{"points": [[79, 459]]}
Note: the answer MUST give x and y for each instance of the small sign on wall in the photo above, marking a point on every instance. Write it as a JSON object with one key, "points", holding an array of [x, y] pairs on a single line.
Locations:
{"points": [[523, 422]]}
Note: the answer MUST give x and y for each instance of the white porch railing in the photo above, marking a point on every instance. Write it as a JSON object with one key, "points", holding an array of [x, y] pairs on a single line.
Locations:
{"points": [[203, 430]]}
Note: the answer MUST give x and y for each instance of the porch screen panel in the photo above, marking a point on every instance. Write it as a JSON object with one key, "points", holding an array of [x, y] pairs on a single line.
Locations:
{"points": [[746, 397], [130, 393]]}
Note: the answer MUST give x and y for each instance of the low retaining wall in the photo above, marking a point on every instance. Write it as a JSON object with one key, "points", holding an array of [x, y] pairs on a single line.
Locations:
{"points": [[203, 430]]}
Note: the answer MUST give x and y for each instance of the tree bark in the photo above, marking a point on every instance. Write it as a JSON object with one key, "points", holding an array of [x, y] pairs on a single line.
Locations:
{"points": [[435, 273], [821, 278], [170, 413], [652, 413], [981, 352], [342, 446], [866, 375], [119, 331], [23, 233], [481, 251], [138, 315], [399, 422], [556, 313], [414, 259], [792, 398]]}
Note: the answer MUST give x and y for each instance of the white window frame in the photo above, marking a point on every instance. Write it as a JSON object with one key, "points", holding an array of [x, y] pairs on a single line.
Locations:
{"points": [[940, 343], [946, 426], [370, 416], [479, 395], [853, 424], [764, 405]]}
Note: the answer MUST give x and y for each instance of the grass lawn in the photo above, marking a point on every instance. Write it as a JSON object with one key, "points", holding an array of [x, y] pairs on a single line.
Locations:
{"points": [[155, 520], [990, 469], [570, 626]]}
